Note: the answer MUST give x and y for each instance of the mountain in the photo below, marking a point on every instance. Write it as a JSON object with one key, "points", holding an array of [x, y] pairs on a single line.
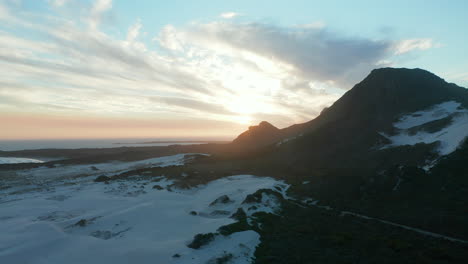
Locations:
{"points": [[362, 128], [258, 136], [393, 147]]}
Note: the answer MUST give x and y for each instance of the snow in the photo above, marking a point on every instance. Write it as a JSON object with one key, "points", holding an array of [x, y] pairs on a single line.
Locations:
{"points": [[281, 142], [75, 220], [12, 160], [450, 137], [268, 204], [241, 245], [107, 168], [436, 112], [397, 185]]}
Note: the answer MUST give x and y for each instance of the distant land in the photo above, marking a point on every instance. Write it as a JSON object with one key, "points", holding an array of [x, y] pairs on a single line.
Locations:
{"points": [[176, 142], [14, 145]]}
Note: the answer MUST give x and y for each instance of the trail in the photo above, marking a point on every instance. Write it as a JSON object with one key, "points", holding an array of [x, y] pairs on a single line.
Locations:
{"points": [[414, 229]]}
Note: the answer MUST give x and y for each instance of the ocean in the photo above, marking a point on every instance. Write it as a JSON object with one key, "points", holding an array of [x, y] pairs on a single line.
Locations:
{"points": [[12, 145]]}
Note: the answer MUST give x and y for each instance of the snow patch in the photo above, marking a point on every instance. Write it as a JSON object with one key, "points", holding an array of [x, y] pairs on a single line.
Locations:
{"points": [[436, 112], [107, 168], [12, 160], [238, 248], [397, 185], [268, 204], [80, 221], [449, 137], [281, 142]]}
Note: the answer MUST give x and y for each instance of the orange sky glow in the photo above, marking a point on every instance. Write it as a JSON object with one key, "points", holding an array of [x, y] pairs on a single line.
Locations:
{"points": [[40, 126]]}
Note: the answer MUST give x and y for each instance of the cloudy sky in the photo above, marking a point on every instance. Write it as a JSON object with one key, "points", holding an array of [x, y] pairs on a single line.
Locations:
{"points": [[191, 69]]}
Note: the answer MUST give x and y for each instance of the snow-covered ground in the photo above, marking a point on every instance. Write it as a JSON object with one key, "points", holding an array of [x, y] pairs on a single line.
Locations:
{"points": [[450, 137], [436, 112], [107, 168], [75, 220], [11, 160]]}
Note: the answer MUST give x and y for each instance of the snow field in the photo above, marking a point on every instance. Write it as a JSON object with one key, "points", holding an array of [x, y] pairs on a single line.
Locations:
{"points": [[127, 221]]}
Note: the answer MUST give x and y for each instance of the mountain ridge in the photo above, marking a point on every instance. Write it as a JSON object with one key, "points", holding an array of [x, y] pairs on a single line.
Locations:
{"points": [[352, 128]]}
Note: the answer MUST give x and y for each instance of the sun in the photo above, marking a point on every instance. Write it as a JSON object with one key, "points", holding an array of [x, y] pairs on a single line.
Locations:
{"points": [[244, 119]]}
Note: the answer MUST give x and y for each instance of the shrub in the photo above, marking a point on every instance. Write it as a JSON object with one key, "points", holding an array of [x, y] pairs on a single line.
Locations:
{"points": [[201, 240], [102, 178]]}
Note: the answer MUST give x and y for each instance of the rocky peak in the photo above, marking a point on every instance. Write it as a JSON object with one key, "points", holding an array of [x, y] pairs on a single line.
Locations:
{"points": [[259, 135]]}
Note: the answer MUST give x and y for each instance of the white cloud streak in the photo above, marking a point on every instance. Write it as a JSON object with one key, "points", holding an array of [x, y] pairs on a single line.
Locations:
{"points": [[98, 9], [408, 45], [58, 3], [229, 15]]}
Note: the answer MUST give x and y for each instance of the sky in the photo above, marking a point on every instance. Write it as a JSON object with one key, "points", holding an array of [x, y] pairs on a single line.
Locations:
{"points": [[206, 69]]}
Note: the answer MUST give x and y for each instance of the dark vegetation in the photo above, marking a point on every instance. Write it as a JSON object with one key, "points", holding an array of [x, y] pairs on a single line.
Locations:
{"points": [[158, 187], [314, 235], [225, 258], [102, 178], [201, 240], [97, 155], [224, 199]]}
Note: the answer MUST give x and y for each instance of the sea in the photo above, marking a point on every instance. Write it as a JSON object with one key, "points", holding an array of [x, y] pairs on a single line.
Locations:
{"points": [[11, 145]]}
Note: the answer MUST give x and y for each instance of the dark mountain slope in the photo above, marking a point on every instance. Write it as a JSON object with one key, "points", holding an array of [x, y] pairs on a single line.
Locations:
{"points": [[349, 132], [351, 128]]}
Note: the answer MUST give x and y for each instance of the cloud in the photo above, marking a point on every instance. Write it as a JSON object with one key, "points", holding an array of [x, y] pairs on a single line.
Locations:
{"points": [[310, 52], [314, 25], [229, 15], [58, 3], [134, 31], [197, 105], [97, 10], [408, 45], [219, 71], [4, 12], [169, 39], [460, 78]]}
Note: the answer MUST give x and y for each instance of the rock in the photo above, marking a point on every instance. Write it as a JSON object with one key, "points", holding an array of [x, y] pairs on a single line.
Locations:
{"points": [[200, 240], [176, 256], [158, 187], [252, 198], [239, 215], [81, 223], [262, 135], [221, 200], [257, 196], [102, 178], [193, 213]]}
